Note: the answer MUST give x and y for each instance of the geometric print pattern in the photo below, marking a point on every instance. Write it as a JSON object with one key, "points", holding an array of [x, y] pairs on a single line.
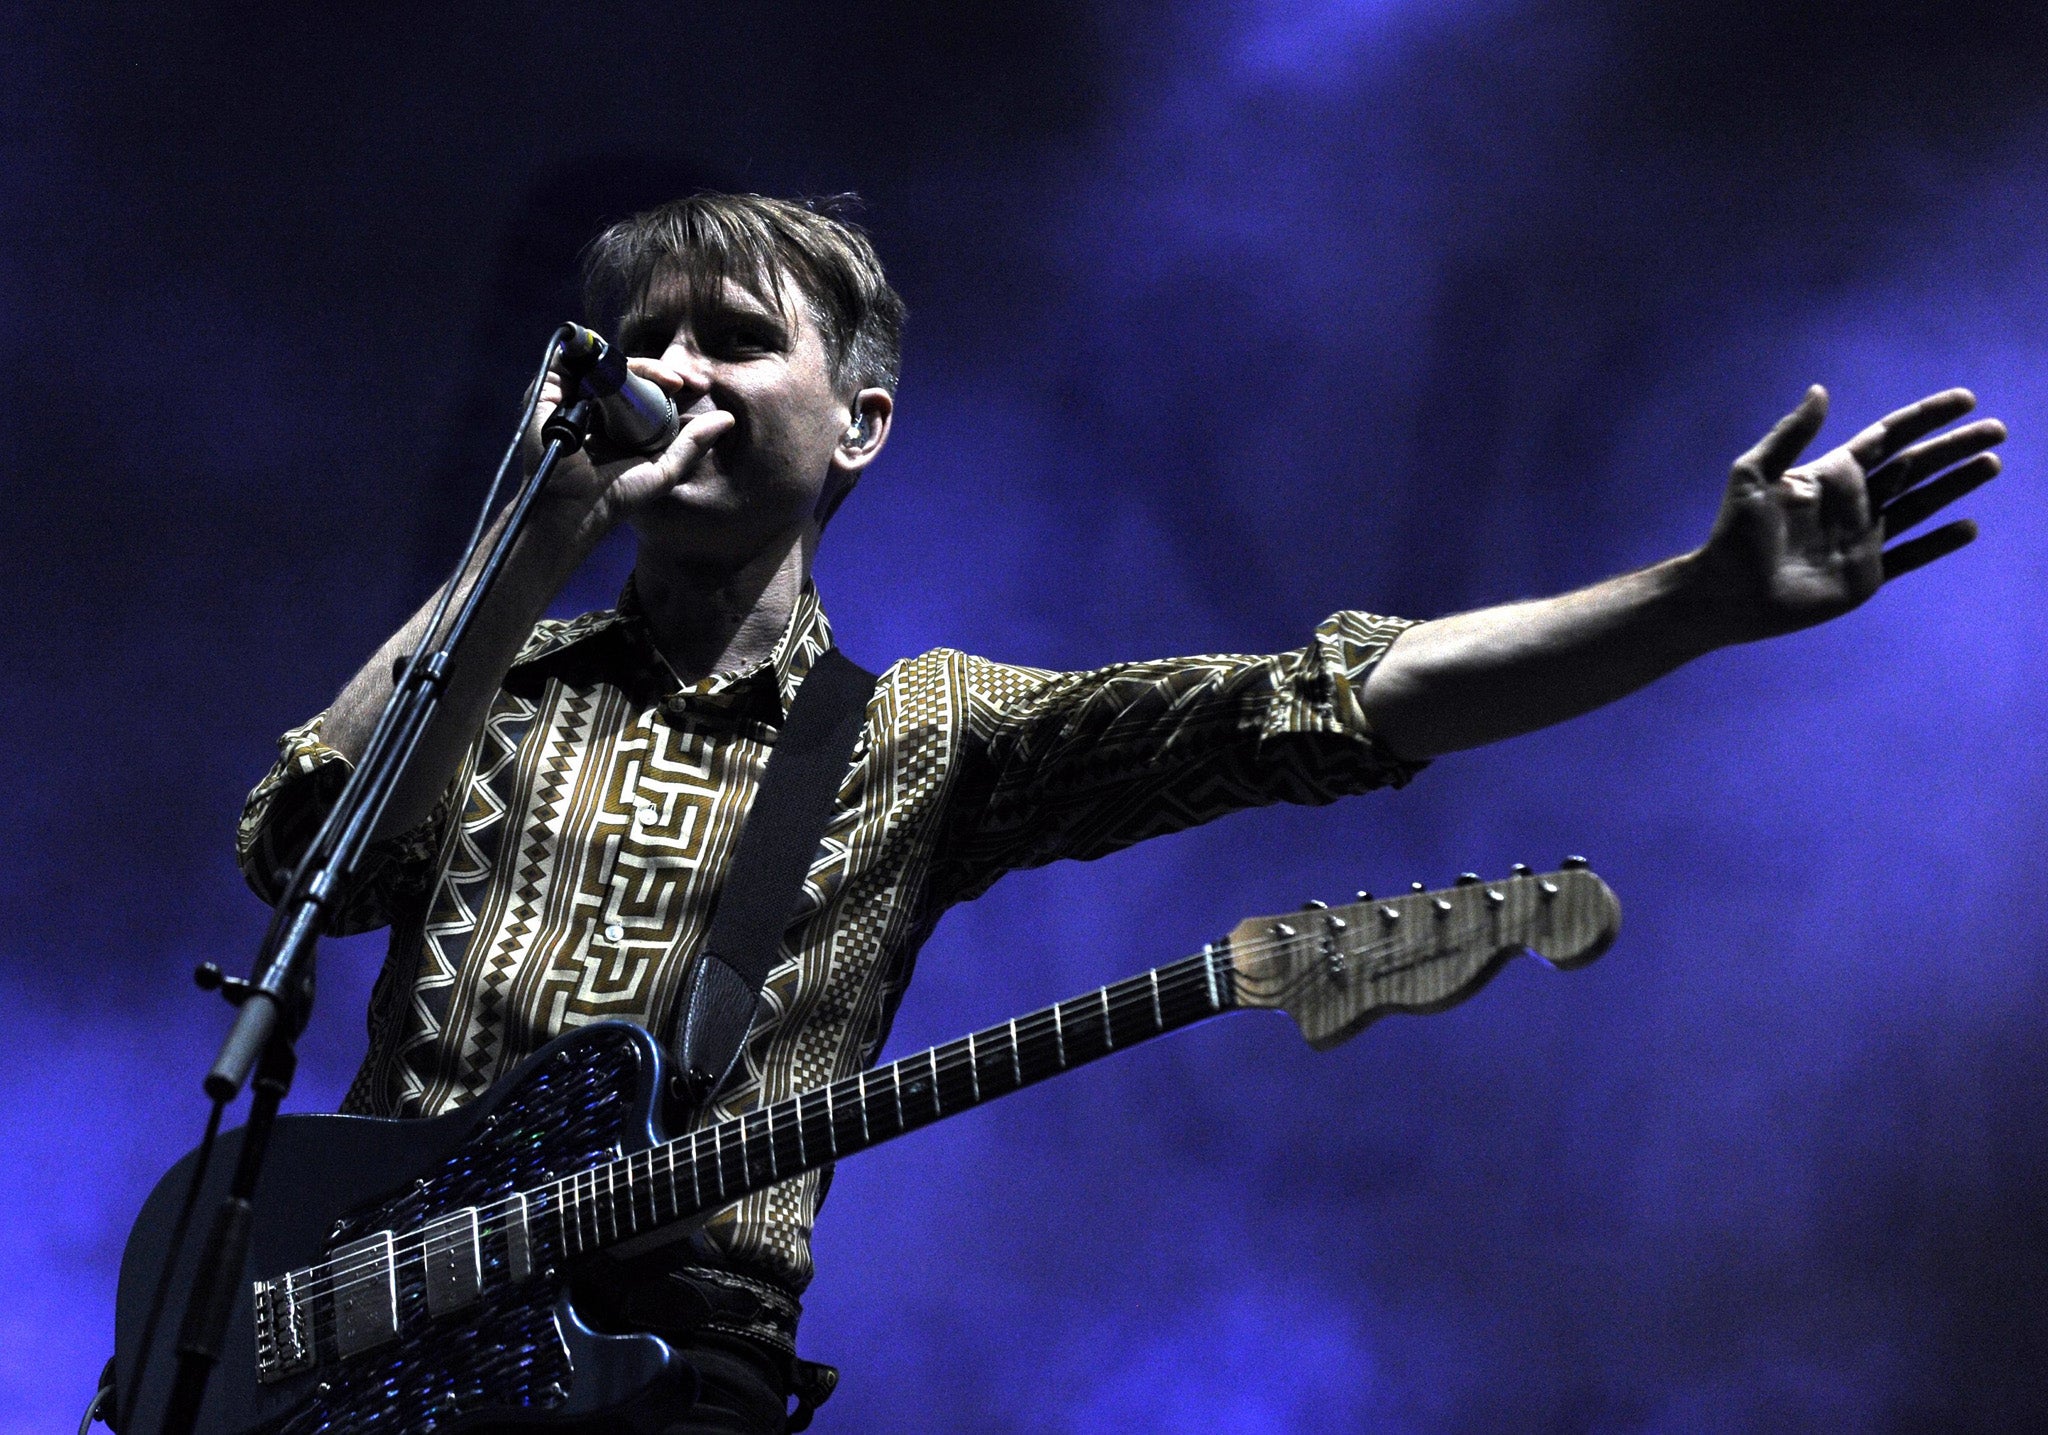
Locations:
{"points": [[572, 870]]}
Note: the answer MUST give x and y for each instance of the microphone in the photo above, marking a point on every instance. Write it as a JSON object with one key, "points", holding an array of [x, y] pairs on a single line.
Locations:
{"points": [[633, 414]]}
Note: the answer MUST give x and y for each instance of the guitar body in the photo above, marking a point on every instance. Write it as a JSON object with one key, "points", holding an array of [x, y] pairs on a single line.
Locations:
{"points": [[515, 1352]]}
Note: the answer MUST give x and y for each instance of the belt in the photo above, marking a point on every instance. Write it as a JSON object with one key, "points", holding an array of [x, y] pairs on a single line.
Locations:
{"points": [[685, 1302]]}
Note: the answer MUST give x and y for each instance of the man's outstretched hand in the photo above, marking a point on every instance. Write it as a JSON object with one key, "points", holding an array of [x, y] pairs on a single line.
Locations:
{"points": [[1798, 543], [1795, 544]]}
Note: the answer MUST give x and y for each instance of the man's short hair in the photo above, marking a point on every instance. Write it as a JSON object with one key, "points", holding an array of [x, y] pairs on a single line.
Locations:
{"points": [[700, 242]]}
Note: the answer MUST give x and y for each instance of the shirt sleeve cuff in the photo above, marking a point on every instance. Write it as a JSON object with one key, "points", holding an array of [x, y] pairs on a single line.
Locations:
{"points": [[1320, 691], [284, 812]]}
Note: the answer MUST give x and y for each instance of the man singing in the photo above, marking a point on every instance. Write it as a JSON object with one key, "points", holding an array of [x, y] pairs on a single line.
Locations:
{"points": [[557, 849]]}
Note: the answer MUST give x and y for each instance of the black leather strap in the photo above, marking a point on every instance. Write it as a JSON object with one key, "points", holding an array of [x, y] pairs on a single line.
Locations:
{"points": [[777, 843]]}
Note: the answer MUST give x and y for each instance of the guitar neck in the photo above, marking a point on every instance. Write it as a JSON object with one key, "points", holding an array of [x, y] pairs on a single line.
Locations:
{"points": [[716, 1165]]}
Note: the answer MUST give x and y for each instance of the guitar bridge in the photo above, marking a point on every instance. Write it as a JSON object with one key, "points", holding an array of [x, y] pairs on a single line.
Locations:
{"points": [[283, 1344]]}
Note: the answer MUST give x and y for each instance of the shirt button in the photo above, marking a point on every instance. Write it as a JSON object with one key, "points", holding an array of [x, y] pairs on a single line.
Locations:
{"points": [[613, 932]]}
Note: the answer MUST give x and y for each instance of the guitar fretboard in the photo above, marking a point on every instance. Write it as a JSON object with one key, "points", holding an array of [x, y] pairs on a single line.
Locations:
{"points": [[719, 1164]]}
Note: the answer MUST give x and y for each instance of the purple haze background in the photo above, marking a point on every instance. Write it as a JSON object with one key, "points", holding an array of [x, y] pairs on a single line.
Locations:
{"points": [[1224, 316]]}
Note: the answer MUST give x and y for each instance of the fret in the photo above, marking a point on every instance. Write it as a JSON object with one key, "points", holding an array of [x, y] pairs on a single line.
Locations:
{"points": [[1108, 1036], [803, 1155], [1209, 970], [631, 1220], [955, 1081], [696, 1180], [675, 1195], [632, 1217], [896, 1085], [1158, 1021], [1059, 1035], [768, 1140], [1016, 1061], [831, 1127]]}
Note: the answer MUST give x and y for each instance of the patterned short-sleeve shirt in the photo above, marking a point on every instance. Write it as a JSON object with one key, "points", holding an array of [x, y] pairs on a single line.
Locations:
{"points": [[570, 874]]}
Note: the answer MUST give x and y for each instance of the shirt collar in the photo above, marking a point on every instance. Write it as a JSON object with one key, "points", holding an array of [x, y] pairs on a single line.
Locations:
{"points": [[623, 629]]}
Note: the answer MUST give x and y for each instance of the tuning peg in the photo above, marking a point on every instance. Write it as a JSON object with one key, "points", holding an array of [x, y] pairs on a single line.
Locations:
{"points": [[1523, 869], [1417, 887], [1281, 929], [1312, 905], [1363, 896], [1574, 864], [1469, 879]]}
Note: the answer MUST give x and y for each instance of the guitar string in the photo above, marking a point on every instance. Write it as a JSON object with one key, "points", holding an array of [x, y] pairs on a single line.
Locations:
{"points": [[566, 1208], [1193, 974], [704, 1147]]}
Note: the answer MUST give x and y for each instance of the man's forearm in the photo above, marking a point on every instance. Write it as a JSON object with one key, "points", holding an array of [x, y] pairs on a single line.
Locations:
{"points": [[1478, 677], [548, 551]]}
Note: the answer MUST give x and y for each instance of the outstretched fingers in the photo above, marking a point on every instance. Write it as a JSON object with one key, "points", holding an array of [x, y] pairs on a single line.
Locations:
{"points": [[1923, 460], [1919, 552], [1877, 444], [1916, 505]]}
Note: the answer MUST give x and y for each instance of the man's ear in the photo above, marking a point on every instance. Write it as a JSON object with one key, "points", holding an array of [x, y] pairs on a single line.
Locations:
{"points": [[867, 429], [868, 419]]}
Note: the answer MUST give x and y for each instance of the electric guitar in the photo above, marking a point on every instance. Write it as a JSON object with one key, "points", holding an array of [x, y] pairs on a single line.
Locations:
{"points": [[413, 1276]]}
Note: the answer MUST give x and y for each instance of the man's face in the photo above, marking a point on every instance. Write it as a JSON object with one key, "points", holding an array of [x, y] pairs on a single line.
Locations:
{"points": [[767, 368]]}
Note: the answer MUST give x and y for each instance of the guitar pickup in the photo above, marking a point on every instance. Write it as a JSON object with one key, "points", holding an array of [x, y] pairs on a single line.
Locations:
{"points": [[365, 1281], [518, 1242], [454, 1259]]}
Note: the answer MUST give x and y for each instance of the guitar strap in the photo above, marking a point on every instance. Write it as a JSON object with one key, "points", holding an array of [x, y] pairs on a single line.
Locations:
{"points": [[777, 842]]}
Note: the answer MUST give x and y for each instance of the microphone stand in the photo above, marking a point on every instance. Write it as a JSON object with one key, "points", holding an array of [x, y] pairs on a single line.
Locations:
{"points": [[274, 1003]]}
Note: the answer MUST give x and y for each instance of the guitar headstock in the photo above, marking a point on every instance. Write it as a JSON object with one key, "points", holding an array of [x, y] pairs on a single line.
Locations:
{"points": [[1337, 969]]}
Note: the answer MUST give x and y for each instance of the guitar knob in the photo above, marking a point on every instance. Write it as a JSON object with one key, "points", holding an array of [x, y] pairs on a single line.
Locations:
{"points": [[1575, 864]]}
